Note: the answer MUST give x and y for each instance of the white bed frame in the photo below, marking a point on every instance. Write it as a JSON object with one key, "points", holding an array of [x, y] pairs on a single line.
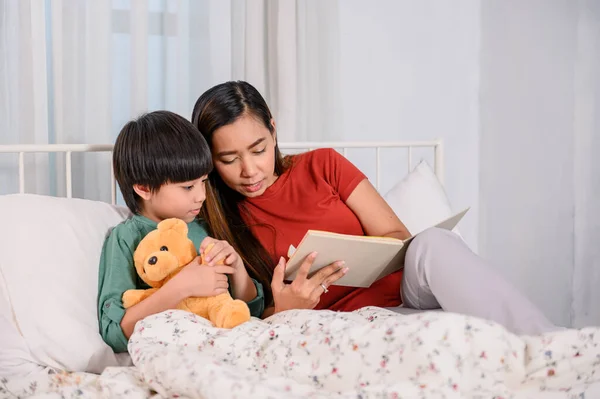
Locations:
{"points": [[68, 149]]}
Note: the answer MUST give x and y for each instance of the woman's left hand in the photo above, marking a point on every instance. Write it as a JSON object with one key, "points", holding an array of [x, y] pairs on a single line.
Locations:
{"points": [[221, 250], [303, 292]]}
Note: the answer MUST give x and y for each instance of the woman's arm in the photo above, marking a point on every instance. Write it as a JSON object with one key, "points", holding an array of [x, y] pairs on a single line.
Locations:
{"points": [[375, 215]]}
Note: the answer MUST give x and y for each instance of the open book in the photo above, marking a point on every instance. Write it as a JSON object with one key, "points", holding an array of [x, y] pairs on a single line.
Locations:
{"points": [[367, 258]]}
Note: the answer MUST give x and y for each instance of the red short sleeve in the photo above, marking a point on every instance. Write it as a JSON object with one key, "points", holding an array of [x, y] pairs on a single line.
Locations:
{"points": [[312, 194], [341, 173]]}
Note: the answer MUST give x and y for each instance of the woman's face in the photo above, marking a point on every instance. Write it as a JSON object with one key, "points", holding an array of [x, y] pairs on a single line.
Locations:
{"points": [[244, 156]]}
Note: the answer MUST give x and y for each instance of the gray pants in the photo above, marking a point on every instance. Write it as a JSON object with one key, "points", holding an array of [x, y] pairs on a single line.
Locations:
{"points": [[441, 272]]}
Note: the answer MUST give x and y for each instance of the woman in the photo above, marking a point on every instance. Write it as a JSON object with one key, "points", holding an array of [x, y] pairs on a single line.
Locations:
{"points": [[262, 202]]}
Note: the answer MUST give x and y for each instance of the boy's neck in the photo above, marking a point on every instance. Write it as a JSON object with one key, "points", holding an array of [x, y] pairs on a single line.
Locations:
{"points": [[149, 215], [153, 218], [146, 219], [147, 212]]}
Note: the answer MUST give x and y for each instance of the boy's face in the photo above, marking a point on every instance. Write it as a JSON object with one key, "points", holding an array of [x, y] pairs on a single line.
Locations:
{"points": [[173, 200]]}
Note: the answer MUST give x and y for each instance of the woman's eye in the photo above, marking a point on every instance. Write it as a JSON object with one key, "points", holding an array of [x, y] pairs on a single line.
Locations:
{"points": [[188, 187], [227, 161], [260, 151]]}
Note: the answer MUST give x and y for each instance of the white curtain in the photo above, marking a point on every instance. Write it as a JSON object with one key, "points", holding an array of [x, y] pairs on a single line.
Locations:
{"points": [[76, 71], [290, 49]]}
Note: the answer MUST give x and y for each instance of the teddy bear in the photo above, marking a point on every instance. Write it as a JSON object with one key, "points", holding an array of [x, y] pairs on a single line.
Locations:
{"points": [[161, 255]]}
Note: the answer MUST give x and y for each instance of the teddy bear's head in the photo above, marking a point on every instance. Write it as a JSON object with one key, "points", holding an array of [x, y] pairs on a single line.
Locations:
{"points": [[163, 252]]}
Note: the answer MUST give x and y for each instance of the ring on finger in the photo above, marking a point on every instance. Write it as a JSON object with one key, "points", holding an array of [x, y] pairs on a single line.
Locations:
{"points": [[325, 290]]}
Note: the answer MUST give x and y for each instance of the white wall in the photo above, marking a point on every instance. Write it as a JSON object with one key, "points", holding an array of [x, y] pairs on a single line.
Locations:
{"points": [[586, 267], [410, 70], [538, 134], [513, 89], [526, 169]]}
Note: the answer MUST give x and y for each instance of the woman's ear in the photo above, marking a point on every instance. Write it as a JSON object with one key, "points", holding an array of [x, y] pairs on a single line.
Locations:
{"points": [[274, 129], [143, 191]]}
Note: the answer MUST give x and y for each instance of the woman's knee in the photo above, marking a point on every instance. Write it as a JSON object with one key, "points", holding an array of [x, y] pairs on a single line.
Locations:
{"points": [[432, 236], [434, 239]]}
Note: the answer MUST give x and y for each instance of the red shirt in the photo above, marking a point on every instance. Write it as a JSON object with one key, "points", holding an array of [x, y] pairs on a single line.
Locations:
{"points": [[311, 194]]}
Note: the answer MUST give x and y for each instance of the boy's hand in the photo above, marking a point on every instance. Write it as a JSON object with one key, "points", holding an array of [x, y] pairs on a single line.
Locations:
{"points": [[219, 250], [196, 280], [215, 252]]}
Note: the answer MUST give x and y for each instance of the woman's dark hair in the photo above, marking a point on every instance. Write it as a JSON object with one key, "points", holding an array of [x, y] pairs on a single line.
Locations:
{"points": [[223, 210], [157, 148]]}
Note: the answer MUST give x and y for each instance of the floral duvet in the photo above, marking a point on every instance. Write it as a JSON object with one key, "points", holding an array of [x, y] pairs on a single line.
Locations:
{"points": [[369, 353]]}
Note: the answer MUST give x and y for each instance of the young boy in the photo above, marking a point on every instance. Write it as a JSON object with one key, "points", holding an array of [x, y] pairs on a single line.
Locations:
{"points": [[161, 162]]}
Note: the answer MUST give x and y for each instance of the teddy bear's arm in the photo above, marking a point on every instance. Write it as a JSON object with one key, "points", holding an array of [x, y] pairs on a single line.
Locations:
{"points": [[133, 297]]}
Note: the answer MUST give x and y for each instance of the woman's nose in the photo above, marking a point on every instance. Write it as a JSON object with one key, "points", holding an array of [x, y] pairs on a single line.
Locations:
{"points": [[248, 168]]}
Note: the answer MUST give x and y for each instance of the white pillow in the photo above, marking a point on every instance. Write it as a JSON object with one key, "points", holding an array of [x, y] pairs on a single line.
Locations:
{"points": [[15, 357], [419, 200], [49, 254]]}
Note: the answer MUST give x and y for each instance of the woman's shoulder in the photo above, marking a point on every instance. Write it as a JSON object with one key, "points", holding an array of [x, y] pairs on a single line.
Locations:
{"points": [[319, 155], [320, 163], [307, 161]]}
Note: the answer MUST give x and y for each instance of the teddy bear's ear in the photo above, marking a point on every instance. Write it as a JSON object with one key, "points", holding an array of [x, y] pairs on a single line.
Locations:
{"points": [[173, 224]]}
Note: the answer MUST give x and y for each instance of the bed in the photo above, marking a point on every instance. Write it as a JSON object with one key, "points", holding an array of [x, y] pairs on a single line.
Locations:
{"points": [[50, 347]]}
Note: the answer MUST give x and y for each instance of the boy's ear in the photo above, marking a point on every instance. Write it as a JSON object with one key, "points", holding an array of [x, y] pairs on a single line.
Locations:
{"points": [[142, 191]]}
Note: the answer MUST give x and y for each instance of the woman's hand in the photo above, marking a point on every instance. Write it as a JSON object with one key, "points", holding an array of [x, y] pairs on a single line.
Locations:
{"points": [[303, 292], [220, 250]]}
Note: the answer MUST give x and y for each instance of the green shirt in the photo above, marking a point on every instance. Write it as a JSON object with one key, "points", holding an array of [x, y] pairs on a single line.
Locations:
{"points": [[117, 274]]}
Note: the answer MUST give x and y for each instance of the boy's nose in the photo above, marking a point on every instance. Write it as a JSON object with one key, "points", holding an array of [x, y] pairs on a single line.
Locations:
{"points": [[200, 196]]}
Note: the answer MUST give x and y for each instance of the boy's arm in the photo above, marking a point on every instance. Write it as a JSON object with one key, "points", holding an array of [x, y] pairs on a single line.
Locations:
{"points": [[166, 297], [250, 291], [268, 312], [117, 275], [241, 285]]}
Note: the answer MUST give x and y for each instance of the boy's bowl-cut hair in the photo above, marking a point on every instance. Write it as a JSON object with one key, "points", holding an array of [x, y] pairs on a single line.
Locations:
{"points": [[157, 148]]}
